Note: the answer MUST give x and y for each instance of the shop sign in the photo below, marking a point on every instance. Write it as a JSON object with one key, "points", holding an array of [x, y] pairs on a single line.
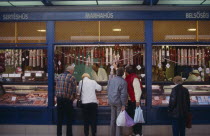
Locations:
{"points": [[15, 16], [197, 15], [107, 15]]}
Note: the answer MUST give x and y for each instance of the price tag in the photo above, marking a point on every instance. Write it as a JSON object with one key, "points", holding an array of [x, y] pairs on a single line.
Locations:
{"points": [[27, 74], [168, 65], [142, 75], [11, 75], [17, 75], [200, 69], [5, 75], [207, 70], [13, 98], [138, 67], [159, 65], [156, 98], [38, 74]]}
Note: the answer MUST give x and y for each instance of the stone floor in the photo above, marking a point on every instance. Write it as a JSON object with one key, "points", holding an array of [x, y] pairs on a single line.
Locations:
{"points": [[50, 130]]}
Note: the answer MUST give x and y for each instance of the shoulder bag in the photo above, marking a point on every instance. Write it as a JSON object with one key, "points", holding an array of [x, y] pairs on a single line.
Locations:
{"points": [[79, 101]]}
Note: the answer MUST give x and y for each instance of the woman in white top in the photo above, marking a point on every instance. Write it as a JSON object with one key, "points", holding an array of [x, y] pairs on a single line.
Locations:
{"points": [[89, 101]]}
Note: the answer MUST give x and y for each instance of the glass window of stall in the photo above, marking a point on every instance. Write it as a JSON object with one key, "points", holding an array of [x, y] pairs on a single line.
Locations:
{"points": [[23, 71], [192, 62], [22, 32], [106, 56]]}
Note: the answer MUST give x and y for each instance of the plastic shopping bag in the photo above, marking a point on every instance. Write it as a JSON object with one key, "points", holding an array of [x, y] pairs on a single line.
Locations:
{"points": [[129, 120], [138, 117], [121, 119]]}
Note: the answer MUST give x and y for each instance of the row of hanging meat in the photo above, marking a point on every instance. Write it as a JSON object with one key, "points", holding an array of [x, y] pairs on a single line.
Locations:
{"points": [[188, 56], [132, 55], [19, 57]]}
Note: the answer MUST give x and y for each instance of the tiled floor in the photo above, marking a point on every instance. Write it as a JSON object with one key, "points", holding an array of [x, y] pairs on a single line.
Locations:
{"points": [[50, 130]]}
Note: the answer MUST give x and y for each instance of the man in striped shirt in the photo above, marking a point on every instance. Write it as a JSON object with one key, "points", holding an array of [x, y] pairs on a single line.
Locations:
{"points": [[65, 93]]}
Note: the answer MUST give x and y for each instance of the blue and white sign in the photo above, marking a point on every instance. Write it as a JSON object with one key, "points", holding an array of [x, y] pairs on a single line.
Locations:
{"points": [[105, 15]]}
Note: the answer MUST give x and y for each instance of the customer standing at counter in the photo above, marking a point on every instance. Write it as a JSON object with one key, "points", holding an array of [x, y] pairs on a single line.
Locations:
{"points": [[179, 106], [134, 93], [98, 74], [117, 96], [89, 102], [65, 93]]}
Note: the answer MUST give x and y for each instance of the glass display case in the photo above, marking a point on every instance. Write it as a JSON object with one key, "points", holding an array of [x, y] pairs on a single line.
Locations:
{"points": [[24, 95], [199, 94]]}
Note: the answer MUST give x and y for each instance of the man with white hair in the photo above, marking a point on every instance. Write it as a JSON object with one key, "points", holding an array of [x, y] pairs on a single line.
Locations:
{"points": [[65, 93]]}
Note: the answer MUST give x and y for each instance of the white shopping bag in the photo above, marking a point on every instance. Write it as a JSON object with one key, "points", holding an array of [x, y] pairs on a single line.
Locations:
{"points": [[121, 119], [138, 117]]}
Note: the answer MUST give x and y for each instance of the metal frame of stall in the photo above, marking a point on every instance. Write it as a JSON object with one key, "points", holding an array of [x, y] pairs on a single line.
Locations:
{"points": [[47, 115]]}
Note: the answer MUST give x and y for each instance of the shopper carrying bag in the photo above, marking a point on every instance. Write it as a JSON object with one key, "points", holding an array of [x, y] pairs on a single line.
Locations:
{"points": [[138, 117]]}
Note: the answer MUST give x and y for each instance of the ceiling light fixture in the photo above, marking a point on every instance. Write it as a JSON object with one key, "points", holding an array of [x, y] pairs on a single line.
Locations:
{"points": [[116, 30], [191, 29], [42, 30]]}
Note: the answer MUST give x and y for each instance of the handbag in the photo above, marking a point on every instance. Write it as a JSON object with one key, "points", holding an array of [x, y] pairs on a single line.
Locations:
{"points": [[188, 123], [79, 101]]}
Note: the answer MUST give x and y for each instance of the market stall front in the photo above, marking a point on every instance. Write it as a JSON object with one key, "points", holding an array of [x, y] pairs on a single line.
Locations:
{"points": [[159, 45]]}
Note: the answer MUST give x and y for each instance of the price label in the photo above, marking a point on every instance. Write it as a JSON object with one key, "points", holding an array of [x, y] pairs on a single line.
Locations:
{"points": [[27, 74], [200, 69], [38, 74], [13, 98], [17, 75], [138, 67], [142, 75], [156, 98], [11, 75], [5, 75], [207, 70]]}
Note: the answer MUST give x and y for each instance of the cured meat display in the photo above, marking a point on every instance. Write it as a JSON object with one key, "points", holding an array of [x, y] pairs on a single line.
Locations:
{"points": [[104, 55], [182, 56], [24, 96], [15, 62], [168, 61]]}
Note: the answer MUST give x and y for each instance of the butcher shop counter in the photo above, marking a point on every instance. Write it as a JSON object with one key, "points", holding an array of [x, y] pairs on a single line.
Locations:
{"points": [[24, 103], [199, 97]]}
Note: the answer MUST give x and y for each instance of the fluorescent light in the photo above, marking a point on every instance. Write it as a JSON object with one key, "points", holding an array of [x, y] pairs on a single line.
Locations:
{"points": [[5, 4], [27, 3], [116, 29], [86, 38], [42, 30], [183, 2], [120, 2], [73, 2], [186, 37], [191, 29]]}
